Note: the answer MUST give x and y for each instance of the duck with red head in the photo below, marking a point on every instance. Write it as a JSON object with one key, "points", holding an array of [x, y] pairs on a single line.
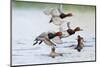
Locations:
{"points": [[80, 44], [70, 31], [47, 38]]}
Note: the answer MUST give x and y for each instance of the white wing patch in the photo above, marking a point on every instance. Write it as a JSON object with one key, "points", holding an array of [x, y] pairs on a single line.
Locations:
{"points": [[57, 40], [65, 34]]}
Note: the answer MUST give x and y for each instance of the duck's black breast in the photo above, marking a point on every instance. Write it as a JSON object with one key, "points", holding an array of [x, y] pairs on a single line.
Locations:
{"points": [[51, 35], [70, 31], [62, 15]]}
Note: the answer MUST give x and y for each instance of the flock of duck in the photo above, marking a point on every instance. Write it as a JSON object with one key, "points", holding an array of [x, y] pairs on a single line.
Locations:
{"points": [[53, 38]]}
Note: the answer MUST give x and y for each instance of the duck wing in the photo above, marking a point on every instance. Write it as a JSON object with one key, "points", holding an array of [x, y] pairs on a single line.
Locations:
{"points": [[57, 40]]}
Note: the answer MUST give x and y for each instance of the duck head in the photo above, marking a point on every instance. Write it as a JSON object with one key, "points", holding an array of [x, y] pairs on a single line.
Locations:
{"points": [[78, 29]]}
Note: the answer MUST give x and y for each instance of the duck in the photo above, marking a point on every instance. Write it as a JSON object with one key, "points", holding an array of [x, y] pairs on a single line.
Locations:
{"points": [[68, 32], [57, 15], [80, 44], [46, 38], [62, 16]]}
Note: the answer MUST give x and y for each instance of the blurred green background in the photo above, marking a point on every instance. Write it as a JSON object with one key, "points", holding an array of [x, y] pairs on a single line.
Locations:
{"points": [[39, 5]]}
